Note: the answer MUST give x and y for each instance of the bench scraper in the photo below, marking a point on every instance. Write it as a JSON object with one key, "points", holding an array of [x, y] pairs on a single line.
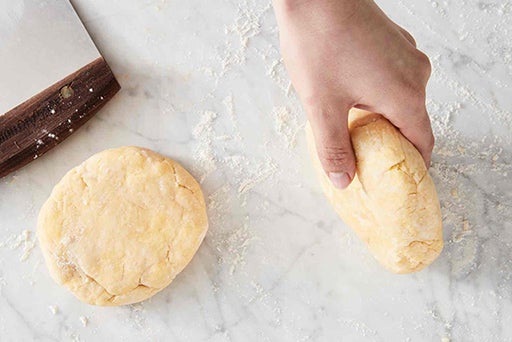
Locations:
{"points": [[52, 78]]}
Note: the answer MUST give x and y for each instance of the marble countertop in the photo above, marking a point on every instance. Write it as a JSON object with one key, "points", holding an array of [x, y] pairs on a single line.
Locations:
{"points": [[204, 84]]}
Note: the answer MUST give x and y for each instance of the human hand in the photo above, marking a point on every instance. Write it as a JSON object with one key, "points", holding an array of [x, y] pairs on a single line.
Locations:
{"points": [[347, 53]]}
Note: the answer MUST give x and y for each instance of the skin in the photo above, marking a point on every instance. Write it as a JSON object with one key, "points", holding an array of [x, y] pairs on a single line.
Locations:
{"points": [[347, 53]]}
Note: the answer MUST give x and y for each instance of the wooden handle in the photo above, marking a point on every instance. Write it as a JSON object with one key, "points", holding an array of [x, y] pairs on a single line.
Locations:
{"points": [[43, 121]]}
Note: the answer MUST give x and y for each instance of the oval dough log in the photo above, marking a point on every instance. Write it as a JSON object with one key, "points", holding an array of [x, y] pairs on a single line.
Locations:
{"points": [[392, 202], [118, 228]]}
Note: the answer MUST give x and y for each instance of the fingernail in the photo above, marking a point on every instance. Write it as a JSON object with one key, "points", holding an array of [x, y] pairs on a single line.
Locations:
{"points": [[339, 179]]}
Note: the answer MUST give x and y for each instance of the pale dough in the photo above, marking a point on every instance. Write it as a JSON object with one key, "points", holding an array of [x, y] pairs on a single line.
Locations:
{"points": [[118, 228], [392, 202]]}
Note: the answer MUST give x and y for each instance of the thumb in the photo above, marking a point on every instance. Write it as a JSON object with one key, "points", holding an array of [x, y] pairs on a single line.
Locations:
{"points": [[330, 129]]}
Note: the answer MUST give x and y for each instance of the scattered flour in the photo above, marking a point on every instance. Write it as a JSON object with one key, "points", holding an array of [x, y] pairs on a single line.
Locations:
{"points": [[84, 320], [248, 184], [287, 126], [137, 318], [203, 153], [230, 108], [277, 72], [361, 327], [246, 26], [459, 163], [241, 174], [458, 166], [25, 239]]}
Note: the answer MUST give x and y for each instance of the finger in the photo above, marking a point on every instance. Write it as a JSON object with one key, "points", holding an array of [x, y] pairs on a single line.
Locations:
{"points": [[415, 126], [332, 138]]}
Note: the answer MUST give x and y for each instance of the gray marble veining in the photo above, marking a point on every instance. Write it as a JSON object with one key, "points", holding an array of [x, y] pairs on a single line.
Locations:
{"points": [[203, 83]]}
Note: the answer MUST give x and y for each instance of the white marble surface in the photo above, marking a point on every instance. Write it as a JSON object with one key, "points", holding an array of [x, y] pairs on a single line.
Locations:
{"points": [[203, 83]]}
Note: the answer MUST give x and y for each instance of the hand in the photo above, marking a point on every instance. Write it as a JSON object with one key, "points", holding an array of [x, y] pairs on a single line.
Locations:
{"points": [[347, 53]]}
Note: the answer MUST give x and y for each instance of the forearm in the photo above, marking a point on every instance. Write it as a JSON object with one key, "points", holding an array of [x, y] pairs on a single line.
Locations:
{"points": [[315, 15], [293, 7], [345, 53]]}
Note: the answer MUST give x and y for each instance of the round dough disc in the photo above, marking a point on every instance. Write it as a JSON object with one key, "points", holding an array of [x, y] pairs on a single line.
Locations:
{"points": [[118, 228]]}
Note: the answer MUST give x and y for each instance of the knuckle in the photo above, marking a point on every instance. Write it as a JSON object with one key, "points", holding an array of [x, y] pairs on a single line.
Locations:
{"points": [[413, 41], [416, 94], [409, 37], [425, 66]]}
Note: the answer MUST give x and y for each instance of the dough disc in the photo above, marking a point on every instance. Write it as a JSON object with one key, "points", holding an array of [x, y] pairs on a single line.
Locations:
{"points": [[118, 228]]}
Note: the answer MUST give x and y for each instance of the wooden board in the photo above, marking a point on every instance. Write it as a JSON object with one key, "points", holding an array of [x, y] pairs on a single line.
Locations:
{"points": [[42, 122]]}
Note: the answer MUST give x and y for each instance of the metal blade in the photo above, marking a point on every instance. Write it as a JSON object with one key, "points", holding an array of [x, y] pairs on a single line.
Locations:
{"points": [[41, 42]]}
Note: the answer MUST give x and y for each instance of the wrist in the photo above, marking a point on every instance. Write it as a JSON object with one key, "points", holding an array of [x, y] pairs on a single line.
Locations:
{"points": [[290, 6], [314, 15]]}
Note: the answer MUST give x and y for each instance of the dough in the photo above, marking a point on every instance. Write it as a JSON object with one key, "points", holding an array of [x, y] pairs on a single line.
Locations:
{"points": [[118, 228], [392, 202]]}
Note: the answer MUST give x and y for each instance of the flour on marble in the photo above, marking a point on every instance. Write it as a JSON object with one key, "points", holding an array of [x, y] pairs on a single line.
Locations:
{"points": [[456, 161], [54, 309], [361, 327], [242, 173], [203, 153], [84, 320], [250, 183], [26, 240], [236, 244], [277, 73], [287, 125], [230, 109], [220, 151], [472, 164], [137, 318], [246, 26]]}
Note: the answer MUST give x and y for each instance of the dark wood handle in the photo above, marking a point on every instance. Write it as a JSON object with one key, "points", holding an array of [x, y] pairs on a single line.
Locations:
{"points": [[42, 122]]}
